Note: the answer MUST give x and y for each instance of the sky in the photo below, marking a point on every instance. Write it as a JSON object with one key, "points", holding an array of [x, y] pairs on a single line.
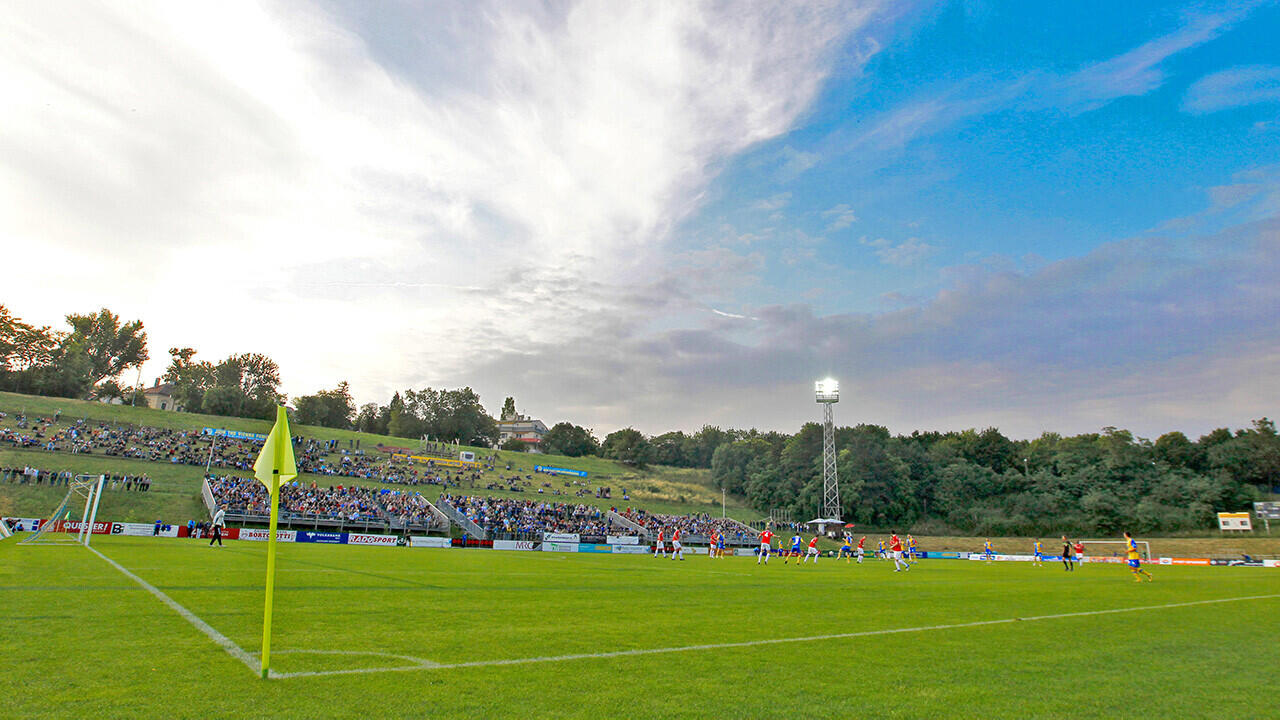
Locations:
{"points": [[1033, 216]]}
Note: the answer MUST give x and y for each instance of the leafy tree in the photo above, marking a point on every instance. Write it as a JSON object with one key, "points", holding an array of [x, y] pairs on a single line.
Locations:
{"points": [[191, 379], [568, 439], [244, 385], [508, 408], [514, 444], [110, 346], [628, 445], [327, 408], [373, 418]]}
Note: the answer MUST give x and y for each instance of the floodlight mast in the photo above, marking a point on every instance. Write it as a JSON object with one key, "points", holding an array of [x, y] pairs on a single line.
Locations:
{"points": [[827, 393]]}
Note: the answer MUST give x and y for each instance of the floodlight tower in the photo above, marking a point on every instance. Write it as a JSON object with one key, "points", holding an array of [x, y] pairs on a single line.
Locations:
{"points": [[828, 394]]}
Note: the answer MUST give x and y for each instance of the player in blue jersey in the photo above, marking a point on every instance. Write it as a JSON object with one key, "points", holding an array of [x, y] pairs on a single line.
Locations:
{"points": [[1039, 557], [846, 550], [796, 542], [987, 552]]}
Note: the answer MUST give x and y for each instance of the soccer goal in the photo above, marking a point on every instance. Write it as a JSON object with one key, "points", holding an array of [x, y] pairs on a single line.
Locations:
{"points": [[1144, 548], [54, 531]]}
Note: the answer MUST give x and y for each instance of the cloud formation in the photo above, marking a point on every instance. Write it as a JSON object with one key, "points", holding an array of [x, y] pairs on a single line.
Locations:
{"points": [[1236, 87]]}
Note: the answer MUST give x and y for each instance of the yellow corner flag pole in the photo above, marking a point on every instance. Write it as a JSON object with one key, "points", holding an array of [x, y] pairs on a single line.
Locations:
{"points": [[274, 467]]}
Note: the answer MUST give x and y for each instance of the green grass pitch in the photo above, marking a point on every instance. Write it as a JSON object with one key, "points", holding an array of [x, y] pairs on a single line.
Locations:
{"points": [[83, 639]]}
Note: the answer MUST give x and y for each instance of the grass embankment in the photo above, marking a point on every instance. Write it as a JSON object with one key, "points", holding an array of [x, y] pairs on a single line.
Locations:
{"points": [[175, 488]]}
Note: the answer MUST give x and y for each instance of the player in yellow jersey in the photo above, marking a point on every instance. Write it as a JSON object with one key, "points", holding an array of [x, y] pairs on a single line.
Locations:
{"points": [[1039, 556], [1135, 564], [988, 552], [880, 550]]}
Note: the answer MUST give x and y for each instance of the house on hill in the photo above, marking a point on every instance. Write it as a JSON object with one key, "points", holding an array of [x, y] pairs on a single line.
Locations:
{"points": [[521, 427], [160, 396]]}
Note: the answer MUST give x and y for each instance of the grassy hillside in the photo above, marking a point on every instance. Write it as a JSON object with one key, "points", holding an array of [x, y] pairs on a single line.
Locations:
{"points": [[175, 490]]}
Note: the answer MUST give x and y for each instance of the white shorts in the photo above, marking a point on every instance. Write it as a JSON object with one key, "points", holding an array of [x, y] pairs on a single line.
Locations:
{"points": [[813, 551], [765, 548], [859, 552], [675, 545], [897, 554]]}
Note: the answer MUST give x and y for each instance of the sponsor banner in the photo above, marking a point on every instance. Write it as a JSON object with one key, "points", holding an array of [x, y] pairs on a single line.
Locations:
{"points": [[1234, 521], [623, 540], [1271, 563], [745, 552], [359, 539], [934, 555], [429, 542], [1219, 561], [1102, 559], [1267, 510], [1184, 561], [234, 434], [23, 524], [259, 535], [73, 526], [515, 545], [143, 530], [560, 547], [594, 548], [316, 536], [629, 550], [435, 461], [559, 471], [561, 537]]}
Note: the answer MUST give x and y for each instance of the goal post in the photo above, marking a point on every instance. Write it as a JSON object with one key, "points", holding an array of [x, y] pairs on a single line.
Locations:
{"points": [[53, 531], [1143, 545]]}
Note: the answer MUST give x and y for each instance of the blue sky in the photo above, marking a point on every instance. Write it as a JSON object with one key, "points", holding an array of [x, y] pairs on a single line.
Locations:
{"points": [[1034, 216]]}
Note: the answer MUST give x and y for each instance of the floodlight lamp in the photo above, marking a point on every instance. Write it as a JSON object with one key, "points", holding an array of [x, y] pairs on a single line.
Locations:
{"points": [[827, 391]]}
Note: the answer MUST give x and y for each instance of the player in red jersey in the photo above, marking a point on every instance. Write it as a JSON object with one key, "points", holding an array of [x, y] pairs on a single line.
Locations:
{"points": [[895, 548], [662, 546], [861, 543], [813, 551], [766, 546], [676, 547]]}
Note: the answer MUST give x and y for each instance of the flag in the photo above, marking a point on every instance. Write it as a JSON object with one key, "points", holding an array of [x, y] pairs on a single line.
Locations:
{"points": [[274, 467]]}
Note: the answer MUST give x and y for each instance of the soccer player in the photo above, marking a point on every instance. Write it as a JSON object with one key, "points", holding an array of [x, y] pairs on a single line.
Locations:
{"points": [[219, 522], [796, 541], [1067, 556], [1079, 552], [1134, 563], [676, 547], [846, 550], [911, 549], [766, 546], [813, 551], [895, 547], [1039, 557], [861, 542], [987, 551], [720, 545], [711, 545], [662, 546], [880, 550]]}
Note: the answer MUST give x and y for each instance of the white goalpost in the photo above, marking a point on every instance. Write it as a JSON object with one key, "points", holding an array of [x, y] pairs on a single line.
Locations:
{"points": [[53, 530], [1143, 545]]}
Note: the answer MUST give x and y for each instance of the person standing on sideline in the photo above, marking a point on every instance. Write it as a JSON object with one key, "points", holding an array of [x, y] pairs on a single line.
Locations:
{"points": [[1068, 557], [219, 522]]}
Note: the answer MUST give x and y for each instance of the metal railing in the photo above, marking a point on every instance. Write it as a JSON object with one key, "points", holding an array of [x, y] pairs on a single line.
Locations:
{"points": [[463, 521]]}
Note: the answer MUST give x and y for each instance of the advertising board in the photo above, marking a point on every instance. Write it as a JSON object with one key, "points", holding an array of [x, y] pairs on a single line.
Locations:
{"points": [[143, 530], [559, 471], [429, 542], [359, 539], [514, 545], [259, 535], [561, 537], [622, 540], [629, 550], [1234, 521], [560, 547], [316, 536]]}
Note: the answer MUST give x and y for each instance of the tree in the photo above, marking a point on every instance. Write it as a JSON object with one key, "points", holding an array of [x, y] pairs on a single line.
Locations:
{"points": [[508, 409], [110, 346], [373, 418], [327, 408], [568, 439], [628, 445], [190, 379], [244, 385]]}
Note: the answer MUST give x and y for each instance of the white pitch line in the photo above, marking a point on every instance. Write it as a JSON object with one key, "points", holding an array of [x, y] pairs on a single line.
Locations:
{"points": [[774, 641], [223, 641]]}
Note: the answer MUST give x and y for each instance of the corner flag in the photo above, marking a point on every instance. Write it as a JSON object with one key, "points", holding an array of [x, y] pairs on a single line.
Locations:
{"points": [[274, 467]]}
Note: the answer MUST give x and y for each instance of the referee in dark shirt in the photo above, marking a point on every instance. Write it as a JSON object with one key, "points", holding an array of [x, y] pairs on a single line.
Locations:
{"points": [[1068, 557]]}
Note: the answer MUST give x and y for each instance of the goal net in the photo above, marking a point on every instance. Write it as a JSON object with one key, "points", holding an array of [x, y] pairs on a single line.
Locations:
{"points": [[59, 528], [1114, 550]]}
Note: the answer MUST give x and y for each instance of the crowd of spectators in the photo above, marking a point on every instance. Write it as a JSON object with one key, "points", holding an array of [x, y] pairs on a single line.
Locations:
{"points": [[28, 475], [248, 496], [696, 524], [515, 515]]}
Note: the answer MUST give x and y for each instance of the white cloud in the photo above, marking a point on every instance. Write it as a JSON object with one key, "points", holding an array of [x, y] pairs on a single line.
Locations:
{"points": [[1236, 87], [264, 177], [841, 216]]}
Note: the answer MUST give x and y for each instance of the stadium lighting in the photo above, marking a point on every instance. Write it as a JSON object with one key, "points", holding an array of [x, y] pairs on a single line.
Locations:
{"points": [[827, 391]]}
